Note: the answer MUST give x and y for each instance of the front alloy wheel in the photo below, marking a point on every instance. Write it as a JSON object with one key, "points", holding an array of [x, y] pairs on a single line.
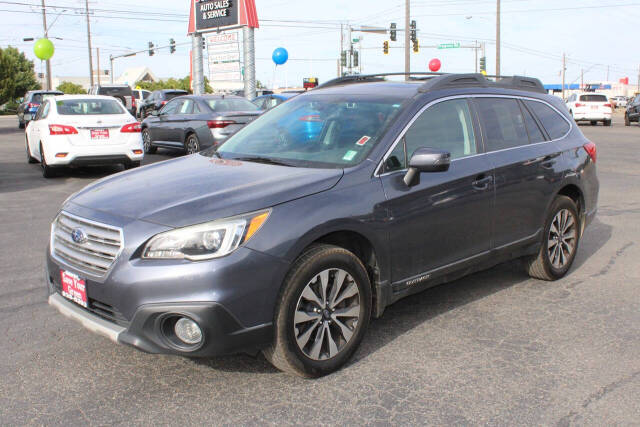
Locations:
{"points": [[323, 312], [146, 142], [327, 314]]}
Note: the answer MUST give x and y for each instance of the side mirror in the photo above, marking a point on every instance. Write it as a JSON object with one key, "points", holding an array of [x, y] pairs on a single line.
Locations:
{"points": [[426, 160]]}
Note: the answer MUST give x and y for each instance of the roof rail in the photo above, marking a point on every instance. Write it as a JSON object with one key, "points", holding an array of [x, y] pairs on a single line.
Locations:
{"points": [[448, 81], [378, 77]]}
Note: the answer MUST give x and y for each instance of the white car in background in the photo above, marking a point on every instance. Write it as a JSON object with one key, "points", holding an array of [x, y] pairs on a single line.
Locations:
{"points": [[591, 107], [83, 130]]}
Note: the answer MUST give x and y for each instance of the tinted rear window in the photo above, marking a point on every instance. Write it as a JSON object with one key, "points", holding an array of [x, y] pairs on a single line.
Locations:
{"points": [[81, 107], [171, 95], [502, 122], [552, 121], [593, 98], [231, 104], [115, 91]]}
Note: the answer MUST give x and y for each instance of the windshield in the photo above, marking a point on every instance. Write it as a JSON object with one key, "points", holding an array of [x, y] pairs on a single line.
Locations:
{"points": [[231, 104], [315, 131], [80, 107]]}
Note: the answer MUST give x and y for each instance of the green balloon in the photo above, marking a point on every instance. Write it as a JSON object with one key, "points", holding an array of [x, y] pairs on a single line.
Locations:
{"points": [[43, 49]]}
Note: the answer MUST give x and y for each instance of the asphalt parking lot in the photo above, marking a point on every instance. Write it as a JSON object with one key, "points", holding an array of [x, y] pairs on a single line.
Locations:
{"points": [[493, 348]]}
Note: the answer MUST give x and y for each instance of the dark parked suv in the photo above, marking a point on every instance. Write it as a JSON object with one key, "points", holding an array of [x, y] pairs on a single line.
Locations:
{"points": [[288, 241], [158, 99]]}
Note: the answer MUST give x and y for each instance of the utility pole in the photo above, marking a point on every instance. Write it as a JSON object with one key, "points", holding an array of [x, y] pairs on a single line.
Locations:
{"points": [[198, 66], [340, 71], [498, 39], [46, 35], [249, 63], [581, 79], [111, 68], [86, 3], [98, 59], [638, 88], [407, 23], [607, 73], [476, 58], [563, 70]]}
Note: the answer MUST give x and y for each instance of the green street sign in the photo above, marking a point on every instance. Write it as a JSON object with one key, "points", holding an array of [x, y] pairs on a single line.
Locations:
{"points": [[356, 40], [449, 45]]}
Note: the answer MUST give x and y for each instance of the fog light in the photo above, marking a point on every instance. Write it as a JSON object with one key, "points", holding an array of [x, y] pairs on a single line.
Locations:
{"points": [[188, 331]]}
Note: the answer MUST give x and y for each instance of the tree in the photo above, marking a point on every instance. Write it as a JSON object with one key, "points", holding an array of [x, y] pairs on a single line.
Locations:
{"points": [[69, 88], [17, 75], [172, 83]]}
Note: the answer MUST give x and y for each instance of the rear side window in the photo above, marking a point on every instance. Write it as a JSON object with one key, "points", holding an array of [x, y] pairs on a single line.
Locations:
{"points": [[593, 98], [502, 122], [535, 134], [552, 121]]}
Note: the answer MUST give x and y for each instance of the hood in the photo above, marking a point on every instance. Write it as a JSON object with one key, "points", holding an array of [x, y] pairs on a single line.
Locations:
{"points": [[194, 189]]}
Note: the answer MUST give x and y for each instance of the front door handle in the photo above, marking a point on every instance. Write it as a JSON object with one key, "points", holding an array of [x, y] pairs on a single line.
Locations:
{"points": [[482, 182]]}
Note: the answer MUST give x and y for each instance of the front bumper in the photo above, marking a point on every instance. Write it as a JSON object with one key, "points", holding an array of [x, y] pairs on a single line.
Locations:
{"points": [[232, 298]]}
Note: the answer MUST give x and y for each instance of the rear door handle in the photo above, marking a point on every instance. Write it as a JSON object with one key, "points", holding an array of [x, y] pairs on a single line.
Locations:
{"points": [[482, 182]]}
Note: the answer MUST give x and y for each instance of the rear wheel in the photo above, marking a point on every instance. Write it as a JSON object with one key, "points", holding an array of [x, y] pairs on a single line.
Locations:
{"points": [[192, 144], [131, 165], [626, 120], [322, 314], [47, 171], [594, 123], [146, 142], [607, 122], [30, 158], [560, 242]]}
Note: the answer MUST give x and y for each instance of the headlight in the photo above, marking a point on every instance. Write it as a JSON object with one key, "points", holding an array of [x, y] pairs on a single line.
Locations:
{"points": [[205, 241]]}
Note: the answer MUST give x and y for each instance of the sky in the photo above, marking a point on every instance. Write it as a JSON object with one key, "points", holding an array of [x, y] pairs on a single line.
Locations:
{"points": [[594, 35]]}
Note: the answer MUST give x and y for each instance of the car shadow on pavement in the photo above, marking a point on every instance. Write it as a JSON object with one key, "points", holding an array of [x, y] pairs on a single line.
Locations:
{"points": [[417, 309]]}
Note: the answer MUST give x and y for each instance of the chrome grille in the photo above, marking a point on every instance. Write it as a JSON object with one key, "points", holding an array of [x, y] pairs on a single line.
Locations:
{"points": [[95, 255]]}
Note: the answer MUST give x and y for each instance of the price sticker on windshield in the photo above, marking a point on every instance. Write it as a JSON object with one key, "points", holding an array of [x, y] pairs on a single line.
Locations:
{"points": [[363, 140]]}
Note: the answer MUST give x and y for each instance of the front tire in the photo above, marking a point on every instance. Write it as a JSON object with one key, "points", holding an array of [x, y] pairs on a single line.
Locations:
{"points": [[322, 314], [559, 243], [594, 123], [626, 120], [30, 158], [146, 142], [607, 123]]}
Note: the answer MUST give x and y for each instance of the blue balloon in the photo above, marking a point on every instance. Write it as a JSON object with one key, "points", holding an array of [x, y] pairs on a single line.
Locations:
{"points": [[280, 56]]}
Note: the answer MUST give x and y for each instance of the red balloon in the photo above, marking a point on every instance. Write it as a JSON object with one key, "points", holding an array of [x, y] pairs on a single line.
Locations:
{"points": [[434, 64]]}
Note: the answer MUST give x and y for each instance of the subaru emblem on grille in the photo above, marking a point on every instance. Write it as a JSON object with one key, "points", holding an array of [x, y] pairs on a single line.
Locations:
{"points": [[78, 235]]}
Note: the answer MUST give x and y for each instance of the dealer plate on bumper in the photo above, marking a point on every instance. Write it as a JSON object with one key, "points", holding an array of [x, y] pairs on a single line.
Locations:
{"points": [[74, 288]]}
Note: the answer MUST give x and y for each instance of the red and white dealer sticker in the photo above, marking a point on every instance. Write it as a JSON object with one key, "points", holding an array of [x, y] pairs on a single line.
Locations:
{"points": [[73, 288], [363, 140]]}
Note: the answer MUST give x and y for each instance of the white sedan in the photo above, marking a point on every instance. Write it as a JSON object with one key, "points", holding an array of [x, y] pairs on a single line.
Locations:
{"points": [[83, 130]]}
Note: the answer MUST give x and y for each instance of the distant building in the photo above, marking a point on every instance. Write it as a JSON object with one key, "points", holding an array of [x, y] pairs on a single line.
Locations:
{"points": [[130, 76], [619, 88]]}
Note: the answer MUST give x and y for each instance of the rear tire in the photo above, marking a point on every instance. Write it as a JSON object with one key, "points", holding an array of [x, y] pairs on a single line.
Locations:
{"points": [[191, 144], [322, 314], [146, 142], [607, 122], [560, 239], [47, 171], [594, 123], [131, 165], [30, 158], [626, 120]]}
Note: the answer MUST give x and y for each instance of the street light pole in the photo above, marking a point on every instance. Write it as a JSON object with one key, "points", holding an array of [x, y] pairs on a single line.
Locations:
{"points": [[498, 38], [46, 35], [111, 70], [407, 23], [86, 2]]}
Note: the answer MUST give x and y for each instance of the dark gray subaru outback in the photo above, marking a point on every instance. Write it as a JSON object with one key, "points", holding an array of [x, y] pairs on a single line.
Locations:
{"points": [[291, 235]]}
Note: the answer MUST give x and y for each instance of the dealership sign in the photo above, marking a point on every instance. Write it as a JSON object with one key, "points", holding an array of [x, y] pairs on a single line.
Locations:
{"points": [[217, 15]]}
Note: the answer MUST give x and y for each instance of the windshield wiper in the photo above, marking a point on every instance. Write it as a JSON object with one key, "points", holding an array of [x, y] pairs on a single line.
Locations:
{"points": [[266, 160]]}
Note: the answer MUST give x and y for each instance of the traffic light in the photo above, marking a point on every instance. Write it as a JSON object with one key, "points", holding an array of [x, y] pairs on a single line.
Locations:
{"points": [[392, 32], [355, 58], [172, 45], [483, 63], [416, 46], [204, 45], [385, 47], [151, 51], [343, 58], [413, 35]]}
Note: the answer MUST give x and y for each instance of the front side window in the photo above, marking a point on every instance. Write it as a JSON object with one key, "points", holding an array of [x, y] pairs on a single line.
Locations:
{"points": [[186, 107], [80, 107], [330, 131], [551, 120], [444, 126], [171, 107], [502, 122]]}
